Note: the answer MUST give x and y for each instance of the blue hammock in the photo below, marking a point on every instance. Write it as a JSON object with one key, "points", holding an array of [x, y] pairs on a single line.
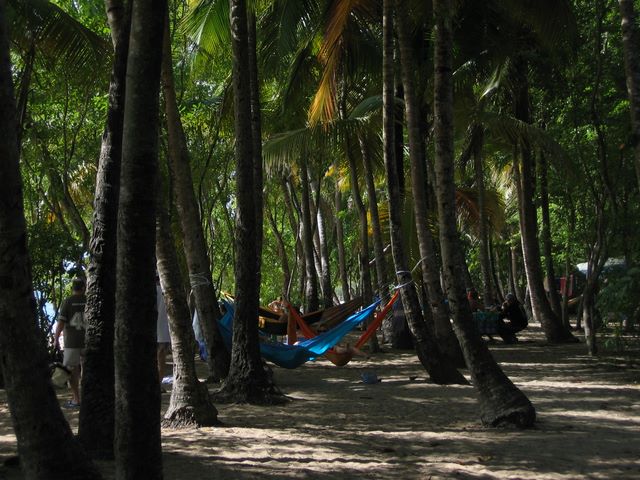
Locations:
{"points": [[292, 356]]}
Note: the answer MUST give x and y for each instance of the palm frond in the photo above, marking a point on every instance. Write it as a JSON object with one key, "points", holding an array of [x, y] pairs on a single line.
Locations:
{"points": [[58, 38], [207, 24]]}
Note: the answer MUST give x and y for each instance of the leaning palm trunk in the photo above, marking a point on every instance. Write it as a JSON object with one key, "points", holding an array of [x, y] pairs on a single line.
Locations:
{"points": [[630, 41], [190, 402], [96, 423], [342, 262], [501, 402], [195, 247], [551, 324], [45, 442], [429, 261], [325, 272], [138, 450], [440, 371]]}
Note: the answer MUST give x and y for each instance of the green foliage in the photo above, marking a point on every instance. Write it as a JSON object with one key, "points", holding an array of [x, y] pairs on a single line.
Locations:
{"points": [[618, 304]]}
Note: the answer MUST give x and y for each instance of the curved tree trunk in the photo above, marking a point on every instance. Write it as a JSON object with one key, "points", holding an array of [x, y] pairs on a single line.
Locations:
{"points": [[430, 263], [248, 380], [190, 403], [138, 449], [195, 247], [282, 253], [45, 442], [501, 402], [630, 42], [97, 415], [551, 324], [440, 371]]}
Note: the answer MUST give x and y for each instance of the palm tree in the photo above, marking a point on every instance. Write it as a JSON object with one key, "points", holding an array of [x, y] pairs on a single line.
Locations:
{"points": [[138, 450], [440, 371], [38, 422], [190, 403], [248, 380], [195, 247], [630, 38], [501, 402], [96, 423], [429, 259]]}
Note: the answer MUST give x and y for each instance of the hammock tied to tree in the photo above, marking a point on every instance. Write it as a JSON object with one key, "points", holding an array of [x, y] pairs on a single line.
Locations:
{"points": [[292, 356]]}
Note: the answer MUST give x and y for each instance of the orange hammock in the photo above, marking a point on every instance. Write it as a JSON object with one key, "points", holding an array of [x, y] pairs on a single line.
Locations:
{"points": [[339, 359]]}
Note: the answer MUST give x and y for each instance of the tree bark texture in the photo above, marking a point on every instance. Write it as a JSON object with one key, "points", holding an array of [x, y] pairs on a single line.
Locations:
{"points": [[438, 322], [501, 402], [342, 262], [97, 416], [440, 371], [311, 290], [46, 444], [248, 380], [630, 42], [325, 261], [195, 246], [138, 450], [190, 403]]}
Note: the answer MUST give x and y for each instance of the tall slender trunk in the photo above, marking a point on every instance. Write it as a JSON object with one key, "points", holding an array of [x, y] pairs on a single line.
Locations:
{"points": [[311, 290], [325, 262], [547, 244], [256, 138], [363, 255], [97, 415], [282, 253], [248, 380], [501, 402], [45, 442], [551, 324], [426, 346], [138, 449], [630, 42], [190, 403], [342, 261], [488, 295], [195, 246], [430, 263]]}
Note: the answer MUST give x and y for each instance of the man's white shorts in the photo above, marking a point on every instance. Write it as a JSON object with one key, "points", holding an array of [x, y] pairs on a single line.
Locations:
{"points": [[73, 357]]}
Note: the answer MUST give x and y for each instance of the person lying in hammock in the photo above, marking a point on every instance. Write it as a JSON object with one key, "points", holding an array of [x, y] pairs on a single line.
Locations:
{"points": [[348, 348]]}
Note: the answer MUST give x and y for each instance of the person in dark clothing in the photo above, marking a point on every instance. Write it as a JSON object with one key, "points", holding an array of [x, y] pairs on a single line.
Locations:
{"points": [[512, 319]]}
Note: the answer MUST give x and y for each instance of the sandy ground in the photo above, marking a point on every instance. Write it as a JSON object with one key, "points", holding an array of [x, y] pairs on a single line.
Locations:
{"points": [[406, 427]]}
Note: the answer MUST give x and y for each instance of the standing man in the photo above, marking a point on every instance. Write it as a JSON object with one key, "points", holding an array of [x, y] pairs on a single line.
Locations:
{"points": [[71, 322]]}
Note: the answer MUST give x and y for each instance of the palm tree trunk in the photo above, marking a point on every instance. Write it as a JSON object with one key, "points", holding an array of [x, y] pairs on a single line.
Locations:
{"points": [[630, 41], [488, 295], [45, 442], [311, 290], [501, 402], [342, 261], [551, 324], [195, 247], [248, 380], [282, 253], [97, 416], [430, 263], [440, 371], [325, 262], [547, 244], [190, 403], [138, 449], [256, 138]]}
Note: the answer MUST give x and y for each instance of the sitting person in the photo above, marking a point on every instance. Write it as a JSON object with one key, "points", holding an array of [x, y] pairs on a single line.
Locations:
{"points": [[348, 348], [512, 319]]}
